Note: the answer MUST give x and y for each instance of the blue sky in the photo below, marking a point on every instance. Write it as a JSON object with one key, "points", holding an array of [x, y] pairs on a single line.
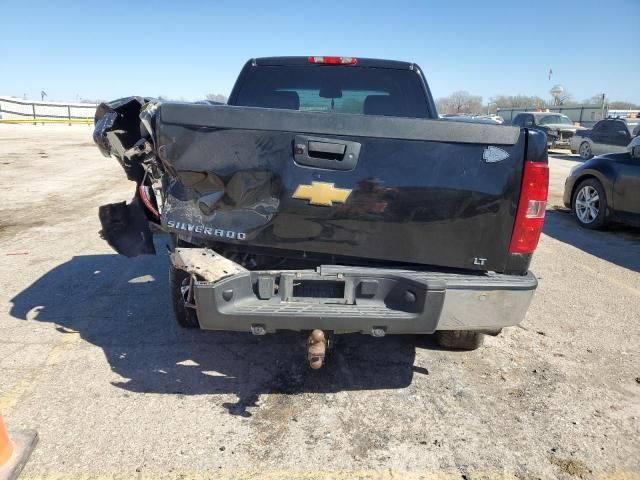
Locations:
{"points": [[187, 49]]}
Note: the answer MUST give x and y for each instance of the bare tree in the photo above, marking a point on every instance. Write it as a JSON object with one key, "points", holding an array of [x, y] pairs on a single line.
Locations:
{"points": [[217, 97], [518, 101], [600, 98], [568, 101], [460, 102], [620, 105], [565, 100], [597, 99]]}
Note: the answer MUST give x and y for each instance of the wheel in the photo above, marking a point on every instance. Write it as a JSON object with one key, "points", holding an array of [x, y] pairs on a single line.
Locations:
{"points": [[589, 204], [179, 284], [459, 339], [585, 151]]}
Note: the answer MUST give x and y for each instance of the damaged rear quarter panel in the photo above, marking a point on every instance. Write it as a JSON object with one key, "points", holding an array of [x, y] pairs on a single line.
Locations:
{"points": [[225, 185], [118, 131]]}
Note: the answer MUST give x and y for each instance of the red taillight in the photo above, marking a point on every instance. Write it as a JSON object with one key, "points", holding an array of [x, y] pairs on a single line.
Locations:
{"points": [[334, 60], [531, 208]]}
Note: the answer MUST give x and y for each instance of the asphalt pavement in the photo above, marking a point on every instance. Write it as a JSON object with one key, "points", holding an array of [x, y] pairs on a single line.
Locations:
{"points": [[91, 357]]}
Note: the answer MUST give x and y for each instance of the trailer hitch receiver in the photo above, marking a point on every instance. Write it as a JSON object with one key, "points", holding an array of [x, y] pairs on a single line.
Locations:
{"points": [[316, 349]]}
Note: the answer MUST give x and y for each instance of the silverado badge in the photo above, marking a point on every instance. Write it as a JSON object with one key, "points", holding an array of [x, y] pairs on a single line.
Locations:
{"points": [[494, 154], [322, 193]]}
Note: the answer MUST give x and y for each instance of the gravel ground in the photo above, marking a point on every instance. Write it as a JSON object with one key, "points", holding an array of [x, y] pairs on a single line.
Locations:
{"points": [[91, 358]]}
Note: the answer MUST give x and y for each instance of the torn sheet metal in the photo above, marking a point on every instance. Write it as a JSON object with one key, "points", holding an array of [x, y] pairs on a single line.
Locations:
{"points": [[119, 132], [205, 263]]}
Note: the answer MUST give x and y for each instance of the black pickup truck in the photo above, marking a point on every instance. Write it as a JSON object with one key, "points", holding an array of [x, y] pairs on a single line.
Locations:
{"points": [[327, 196]]}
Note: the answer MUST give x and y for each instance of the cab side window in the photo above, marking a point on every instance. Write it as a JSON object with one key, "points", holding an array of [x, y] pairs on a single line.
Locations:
{"points": [[528, 121], [622, 130]]}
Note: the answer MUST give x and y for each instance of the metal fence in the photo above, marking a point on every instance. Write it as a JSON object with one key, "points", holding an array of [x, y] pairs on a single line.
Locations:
{"points": [[14, 110], [586, 115]]}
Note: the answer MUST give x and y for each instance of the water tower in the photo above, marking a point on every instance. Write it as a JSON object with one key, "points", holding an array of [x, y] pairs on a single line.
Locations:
{"points": [[556, 92]]}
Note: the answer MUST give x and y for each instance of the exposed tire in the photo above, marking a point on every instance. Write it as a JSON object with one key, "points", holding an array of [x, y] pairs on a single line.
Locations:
{"points": [[585, 151], [185, 316], [589, 204], [459, 339]]}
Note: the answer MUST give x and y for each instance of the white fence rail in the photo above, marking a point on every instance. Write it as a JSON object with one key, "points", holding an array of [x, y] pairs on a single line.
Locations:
{"points": [[16, 109]]}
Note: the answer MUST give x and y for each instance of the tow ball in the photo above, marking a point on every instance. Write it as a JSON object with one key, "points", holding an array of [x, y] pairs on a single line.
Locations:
{"points": [[316, 348]]}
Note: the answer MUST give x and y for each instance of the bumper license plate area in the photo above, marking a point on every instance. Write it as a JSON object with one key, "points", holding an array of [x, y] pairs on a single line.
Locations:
{"points": [[324, 291]]}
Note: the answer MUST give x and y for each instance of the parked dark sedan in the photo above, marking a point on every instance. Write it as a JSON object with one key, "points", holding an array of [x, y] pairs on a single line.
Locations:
{"points": [[611, 135], [606, 188]]}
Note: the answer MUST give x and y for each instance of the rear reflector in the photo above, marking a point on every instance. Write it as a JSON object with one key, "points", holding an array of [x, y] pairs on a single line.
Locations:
{"points": [[531, 208], [333, 60]]}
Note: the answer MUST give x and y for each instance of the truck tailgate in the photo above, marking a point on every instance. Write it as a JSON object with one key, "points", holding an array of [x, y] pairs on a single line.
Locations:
{"points": [[397, 189]]}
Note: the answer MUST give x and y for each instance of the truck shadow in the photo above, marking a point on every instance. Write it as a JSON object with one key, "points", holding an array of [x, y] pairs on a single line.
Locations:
{"points": [[121, 305], [618, 244]]}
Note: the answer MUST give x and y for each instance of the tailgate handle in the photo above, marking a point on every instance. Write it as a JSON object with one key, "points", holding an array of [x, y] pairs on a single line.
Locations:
{"points": [[326, 153], [330, 151]]}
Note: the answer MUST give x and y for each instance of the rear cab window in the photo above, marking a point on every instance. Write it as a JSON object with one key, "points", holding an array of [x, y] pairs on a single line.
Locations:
{"points": [[334, 89]]}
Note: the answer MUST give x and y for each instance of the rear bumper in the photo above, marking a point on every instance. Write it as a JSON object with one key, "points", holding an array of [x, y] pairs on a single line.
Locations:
{"points": [[366, 300]]}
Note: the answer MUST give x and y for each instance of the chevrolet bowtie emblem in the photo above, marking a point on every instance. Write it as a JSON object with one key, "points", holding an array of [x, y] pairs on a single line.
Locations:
{"points": [[322, 193]]}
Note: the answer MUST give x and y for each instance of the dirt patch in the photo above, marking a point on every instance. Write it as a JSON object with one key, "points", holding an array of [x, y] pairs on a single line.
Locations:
{"points": [[9, 229], [571, 466]]}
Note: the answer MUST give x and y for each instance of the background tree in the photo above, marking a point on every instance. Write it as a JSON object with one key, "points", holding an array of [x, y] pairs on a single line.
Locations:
{"points": [[615, 104], [621, 105], [518, 101], [217, 97], [594, 100], [567, 100], [460, 102]]}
